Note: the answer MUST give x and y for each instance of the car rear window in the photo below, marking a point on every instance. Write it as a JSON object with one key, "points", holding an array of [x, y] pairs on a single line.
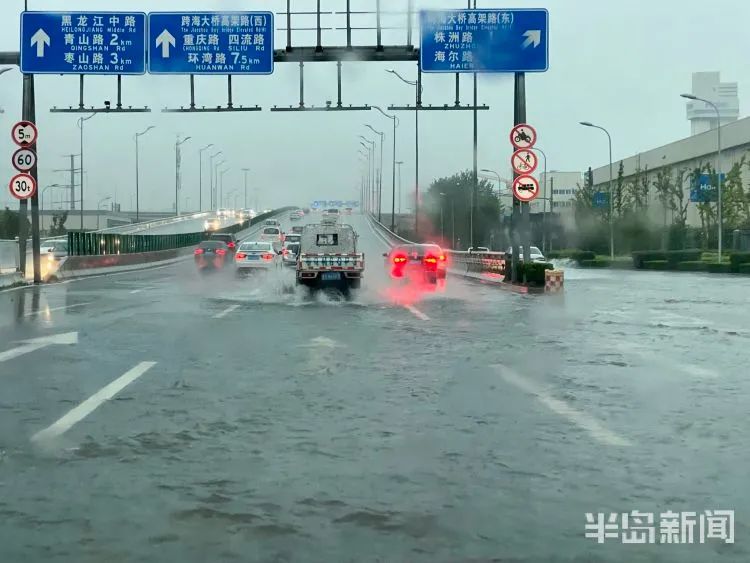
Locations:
{"points": [[271, 231], [293, 248], [212, 244], [327, 239], [245, 246]]}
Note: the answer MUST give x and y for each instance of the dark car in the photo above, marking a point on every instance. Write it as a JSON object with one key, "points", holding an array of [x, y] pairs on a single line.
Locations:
{"points": [[227, 238], [289, 254], [211, 255], [419, 262]]}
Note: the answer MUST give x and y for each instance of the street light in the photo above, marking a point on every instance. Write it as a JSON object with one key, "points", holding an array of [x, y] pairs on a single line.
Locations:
{"points": [[399, 162], [393, 178], [41, 197], [80, 126], [366, 179], [212, 174], [718, 162], [177, 178], [380, 178], [371, 148], [200, 176], [6, 69], [442, 204], [137, 198], [98, 207], [418, 88], [245, 171], [611, 194], [221, 184]]}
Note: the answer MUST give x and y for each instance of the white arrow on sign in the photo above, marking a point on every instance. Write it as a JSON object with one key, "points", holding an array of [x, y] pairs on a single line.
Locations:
{"points": [[40, 39], [164, 40], [37, 343], [533, 36]]}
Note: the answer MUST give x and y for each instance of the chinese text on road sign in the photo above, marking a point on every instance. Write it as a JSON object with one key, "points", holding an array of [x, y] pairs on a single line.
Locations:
{"points": [[525, 188], [83, 43], [22, 186], [211, 43], [524, 161], [523, 136], [484, 40]]}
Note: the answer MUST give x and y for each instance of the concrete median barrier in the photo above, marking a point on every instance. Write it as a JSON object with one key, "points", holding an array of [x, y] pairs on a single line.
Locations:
{"points": [[80, 266]]}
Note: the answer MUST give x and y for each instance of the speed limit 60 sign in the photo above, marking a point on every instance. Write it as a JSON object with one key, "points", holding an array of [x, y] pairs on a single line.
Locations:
{"points": [[24, 133], [22, 186], [24, 160]]}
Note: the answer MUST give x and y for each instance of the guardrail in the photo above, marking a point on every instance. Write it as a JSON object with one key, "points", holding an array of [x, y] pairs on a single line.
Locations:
{"points": [[9, 258], [146, 225], [102, 244]]}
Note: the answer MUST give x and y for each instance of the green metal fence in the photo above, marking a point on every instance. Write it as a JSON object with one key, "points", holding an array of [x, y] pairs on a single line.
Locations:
{"points": [[99, 244]]}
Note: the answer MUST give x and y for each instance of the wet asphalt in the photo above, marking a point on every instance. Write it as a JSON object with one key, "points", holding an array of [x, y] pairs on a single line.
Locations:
{"points": [[466, 424]]}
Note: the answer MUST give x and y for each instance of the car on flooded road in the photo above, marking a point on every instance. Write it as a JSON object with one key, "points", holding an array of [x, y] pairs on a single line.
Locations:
{"points": [[255, 256], [426, 263], [211, 255], [228, 238], [272, 235]]}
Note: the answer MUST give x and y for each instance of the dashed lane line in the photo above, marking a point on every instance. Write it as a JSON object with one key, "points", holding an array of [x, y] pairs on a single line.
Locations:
{"points": [[226, 311], [46, 310], [416, 312]]}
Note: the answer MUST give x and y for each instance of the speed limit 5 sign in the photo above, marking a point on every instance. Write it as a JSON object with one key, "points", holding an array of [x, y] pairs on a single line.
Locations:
{"points": [[24, 133], [22, 186], [24, 160]]}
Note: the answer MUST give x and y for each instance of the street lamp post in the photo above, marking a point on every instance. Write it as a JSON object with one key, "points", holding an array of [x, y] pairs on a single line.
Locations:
{"points": [[80, 126], [418, 88], [442, 205], [719, 214], [245, 171], [611, 194], [200, 176], [41, 198], [399, 162], [365, 179], [177, 178], [380, 175], [212, 173], [393, 178], [215, 187], [221, 184], [371, 149], [137, 174]]}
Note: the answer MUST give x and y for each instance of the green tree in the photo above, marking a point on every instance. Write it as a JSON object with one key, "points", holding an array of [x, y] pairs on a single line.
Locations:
{"points": [[619, 190], [734, 204], [9, 224], [456, 209]]}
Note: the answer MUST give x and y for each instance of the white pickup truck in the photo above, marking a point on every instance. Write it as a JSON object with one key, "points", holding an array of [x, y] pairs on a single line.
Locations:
{"points": [[328, 258]]}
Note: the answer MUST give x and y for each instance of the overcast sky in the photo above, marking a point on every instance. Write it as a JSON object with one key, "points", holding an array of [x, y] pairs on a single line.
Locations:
{"points": [[619, 63]]}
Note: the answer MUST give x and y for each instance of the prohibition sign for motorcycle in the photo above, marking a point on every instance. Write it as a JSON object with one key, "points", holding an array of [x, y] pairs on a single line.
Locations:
{"points": [[525, 188], [523, 136], [524, 161]]}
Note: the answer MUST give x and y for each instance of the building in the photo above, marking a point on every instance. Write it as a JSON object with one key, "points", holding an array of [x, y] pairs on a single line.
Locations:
{"points": [[683, 155], [701, 115], [558, 189]]}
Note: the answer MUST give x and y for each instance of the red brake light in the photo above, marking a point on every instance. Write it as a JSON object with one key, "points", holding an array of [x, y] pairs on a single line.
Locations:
{"points": [[442, 257], [198, 251], [240, 255], [230, 244], [430, 260], [221, 251], [400, 259], [268, 257]]}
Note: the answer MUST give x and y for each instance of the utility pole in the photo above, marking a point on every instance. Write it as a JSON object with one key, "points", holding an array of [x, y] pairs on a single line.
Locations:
{"points": [[29, 114], [200, 176], [245, 170]]}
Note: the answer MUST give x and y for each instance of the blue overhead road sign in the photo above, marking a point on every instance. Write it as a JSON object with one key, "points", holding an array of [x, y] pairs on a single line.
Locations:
{"points": [[210, 42], [513, 40], [83, 42]]}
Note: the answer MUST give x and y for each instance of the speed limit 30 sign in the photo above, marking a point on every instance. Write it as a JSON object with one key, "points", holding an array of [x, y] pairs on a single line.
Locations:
{"points": [[24, 160], [22, 186]]}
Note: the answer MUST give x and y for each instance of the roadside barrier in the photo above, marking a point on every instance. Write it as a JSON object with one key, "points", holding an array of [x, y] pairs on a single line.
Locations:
{"points": [[554, 281]]}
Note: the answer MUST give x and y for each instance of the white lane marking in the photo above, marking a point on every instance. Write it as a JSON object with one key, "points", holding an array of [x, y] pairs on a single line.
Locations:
{"points": [[77, 414], [47, 310], [417, 313], [226, 311], [666, 363], [35, 344], [141, 289], [578, 418]]}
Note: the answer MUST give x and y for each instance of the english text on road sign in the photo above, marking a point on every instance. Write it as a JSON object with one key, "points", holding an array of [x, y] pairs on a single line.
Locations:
{"points": [[210, 42], [523, 136], [703, 191], [24, 160], [512, 40], [525, 188], [524, 161], [22, 186], [83, 42], [24, 133]]}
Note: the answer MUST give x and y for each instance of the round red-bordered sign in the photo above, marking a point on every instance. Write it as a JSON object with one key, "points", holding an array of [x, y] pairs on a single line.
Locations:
{"points": [[24, 159], [524, 161], [525, 188], [523, 136], [24, 133], [22, 186]]}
